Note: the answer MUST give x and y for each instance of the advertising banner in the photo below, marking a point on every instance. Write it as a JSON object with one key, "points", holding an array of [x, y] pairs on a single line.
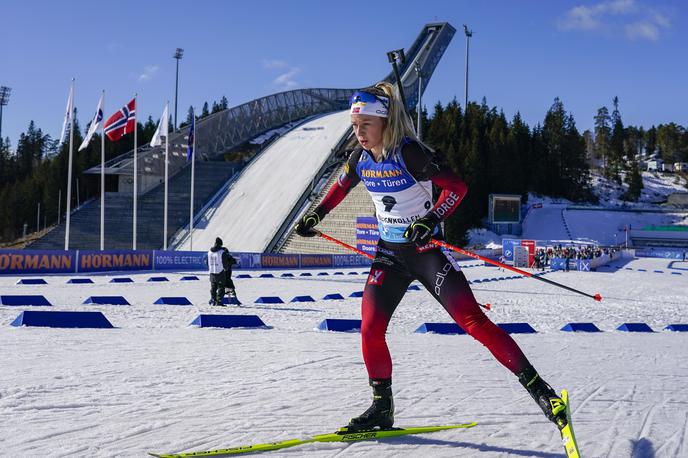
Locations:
{"points": [[279, 261], [316, 260], [367, 234], [180, 260], [15, 262], [115, 260], [350, 260]]}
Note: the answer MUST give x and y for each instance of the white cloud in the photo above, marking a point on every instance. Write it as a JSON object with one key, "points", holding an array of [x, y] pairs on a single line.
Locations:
{"points": [[579, 18], [149, 72], [286, 80], [642, 30], [615, 17]]}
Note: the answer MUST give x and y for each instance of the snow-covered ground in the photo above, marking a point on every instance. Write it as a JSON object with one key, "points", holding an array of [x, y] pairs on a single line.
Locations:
{"points": [[657, 186], [156, 383]]}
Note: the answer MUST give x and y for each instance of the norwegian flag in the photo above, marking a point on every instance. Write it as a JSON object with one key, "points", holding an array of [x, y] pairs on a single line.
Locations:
{"points": [[121, 123]]}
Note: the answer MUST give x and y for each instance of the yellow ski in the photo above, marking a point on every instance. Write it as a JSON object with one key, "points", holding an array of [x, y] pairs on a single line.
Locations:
{"points": [[567, 436], [341, 436]]}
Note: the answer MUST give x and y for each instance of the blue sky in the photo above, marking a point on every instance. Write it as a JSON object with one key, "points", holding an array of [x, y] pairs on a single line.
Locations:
{"points": [[523, 54]]}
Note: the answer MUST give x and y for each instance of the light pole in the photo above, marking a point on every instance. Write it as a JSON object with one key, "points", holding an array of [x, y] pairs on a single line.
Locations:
{"points": [[394, 57], [469, 34], [419, 72], [4, 100], [177, 55]]}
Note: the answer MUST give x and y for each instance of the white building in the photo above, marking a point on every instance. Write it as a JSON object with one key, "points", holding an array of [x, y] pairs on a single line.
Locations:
{"points": [[655, 165]]}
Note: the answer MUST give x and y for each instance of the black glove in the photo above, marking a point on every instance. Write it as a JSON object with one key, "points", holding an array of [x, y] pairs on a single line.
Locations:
{"points": [[311, 219], [420, 231]]}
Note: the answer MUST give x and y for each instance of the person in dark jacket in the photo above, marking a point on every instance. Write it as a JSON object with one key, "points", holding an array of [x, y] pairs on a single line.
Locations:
{"points": [[218, 263], [229, 284]]}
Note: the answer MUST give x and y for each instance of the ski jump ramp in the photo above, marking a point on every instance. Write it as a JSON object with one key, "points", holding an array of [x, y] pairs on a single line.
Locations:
{"points": [[261, 199]]}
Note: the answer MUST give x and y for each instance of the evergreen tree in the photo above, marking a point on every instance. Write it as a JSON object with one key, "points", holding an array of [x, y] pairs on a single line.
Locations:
{"points": [[616, 144], [224, 103], [603, 135], [669, 139], [553, 134], [650, 141], [634, 180], [589, 140], [205, 112], [6, 164], [519, 146]]}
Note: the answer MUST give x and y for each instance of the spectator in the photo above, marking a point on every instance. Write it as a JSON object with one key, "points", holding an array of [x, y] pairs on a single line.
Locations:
{"points": [[218, 262], [229, 284]]}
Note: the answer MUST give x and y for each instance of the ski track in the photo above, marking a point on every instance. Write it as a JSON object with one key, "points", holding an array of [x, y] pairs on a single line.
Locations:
{"points": [[155, 383]]}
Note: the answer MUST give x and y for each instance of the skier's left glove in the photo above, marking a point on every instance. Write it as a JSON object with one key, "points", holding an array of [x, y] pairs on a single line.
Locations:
{"points": [[420, 231]]}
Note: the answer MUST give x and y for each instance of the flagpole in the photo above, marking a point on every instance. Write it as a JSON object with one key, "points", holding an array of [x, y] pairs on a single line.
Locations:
{"points": [[136, 176], [193, 169], [102, 178], [163, 122], [69, 169]]}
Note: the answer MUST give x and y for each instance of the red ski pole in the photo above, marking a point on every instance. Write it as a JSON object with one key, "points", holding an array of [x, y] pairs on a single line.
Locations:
{"points": [[345, 245], [367, 255], [597, 296]]}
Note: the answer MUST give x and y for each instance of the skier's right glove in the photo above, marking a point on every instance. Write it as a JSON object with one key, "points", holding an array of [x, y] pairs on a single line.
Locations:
{"points": [[311, 219]]}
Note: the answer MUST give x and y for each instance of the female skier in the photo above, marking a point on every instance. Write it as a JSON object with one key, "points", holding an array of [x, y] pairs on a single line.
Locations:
{"points": [[398, 171]]}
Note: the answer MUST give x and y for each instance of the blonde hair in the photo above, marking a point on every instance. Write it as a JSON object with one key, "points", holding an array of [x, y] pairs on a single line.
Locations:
{"points": [[398, 123]]}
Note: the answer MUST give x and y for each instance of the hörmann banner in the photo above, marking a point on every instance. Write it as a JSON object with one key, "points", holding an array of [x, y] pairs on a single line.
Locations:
{"points": [[15, 262], [116, 260]]}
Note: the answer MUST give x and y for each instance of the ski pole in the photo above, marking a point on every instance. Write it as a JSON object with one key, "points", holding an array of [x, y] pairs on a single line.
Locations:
{"points": [[362, 253], [347, 246], [597, 296]]}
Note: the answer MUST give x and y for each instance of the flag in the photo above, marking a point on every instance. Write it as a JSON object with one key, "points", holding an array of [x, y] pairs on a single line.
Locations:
{"points": [[122, 122], [162, 129], [67, 124], [192, 134], [97, 119]]}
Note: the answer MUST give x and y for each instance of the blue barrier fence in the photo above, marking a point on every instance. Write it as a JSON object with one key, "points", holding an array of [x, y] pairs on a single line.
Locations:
{"points": [[17, 262]]}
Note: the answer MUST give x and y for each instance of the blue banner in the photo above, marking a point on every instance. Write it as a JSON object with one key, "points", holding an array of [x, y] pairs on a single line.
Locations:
{"points": [[667, 253], [557, 263], [115, 260], [367, 234], [15, 262], [279, 261], [584, 265], [508, 248], [350, 260], [180, 260], [316, 260], [249, 260]]}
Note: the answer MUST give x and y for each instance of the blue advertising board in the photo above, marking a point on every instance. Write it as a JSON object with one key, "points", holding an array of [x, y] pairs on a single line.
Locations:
{"points": [[367, 234], [180, 260], [666, 253], [350, 260], [114, 260], [14, 262], [508, 248]]}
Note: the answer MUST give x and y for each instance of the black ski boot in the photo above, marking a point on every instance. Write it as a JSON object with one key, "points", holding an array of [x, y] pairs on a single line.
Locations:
{"points": [[380, 415], [548, 400]]}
